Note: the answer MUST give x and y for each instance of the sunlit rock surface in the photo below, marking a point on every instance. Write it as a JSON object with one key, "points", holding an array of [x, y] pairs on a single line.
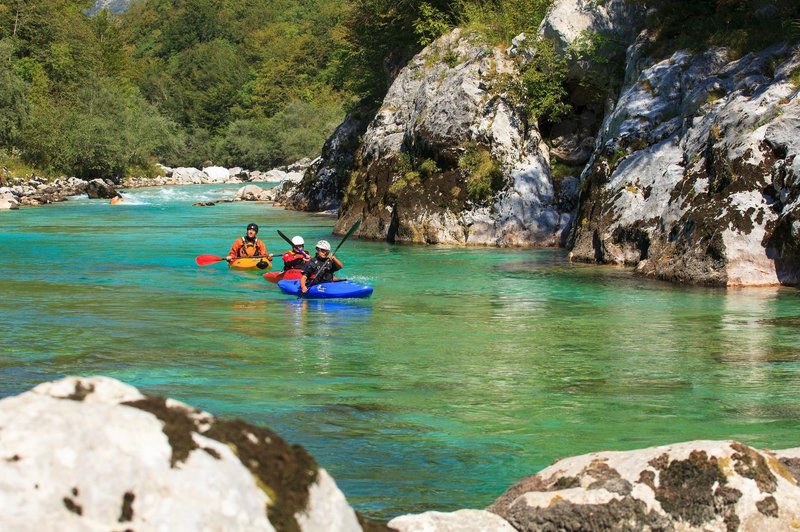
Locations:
{"points": [[699, 485], [96, 454], [411, 184], [696, 176]]}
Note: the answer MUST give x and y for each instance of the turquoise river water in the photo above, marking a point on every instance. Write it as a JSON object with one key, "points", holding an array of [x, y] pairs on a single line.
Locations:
{"points": [[467, 369]]}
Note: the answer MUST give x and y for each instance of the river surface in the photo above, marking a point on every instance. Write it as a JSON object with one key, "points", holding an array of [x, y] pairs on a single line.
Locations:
{"points": [[467, 369]]}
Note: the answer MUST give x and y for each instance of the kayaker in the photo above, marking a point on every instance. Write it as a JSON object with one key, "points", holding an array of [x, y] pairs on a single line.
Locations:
{"points": [[296, 257], [248, 246], [320, 268]]}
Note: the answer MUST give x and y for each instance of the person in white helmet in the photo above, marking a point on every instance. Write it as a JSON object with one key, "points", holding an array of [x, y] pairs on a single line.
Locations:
{"points": [[295, 258], [320, 268]]}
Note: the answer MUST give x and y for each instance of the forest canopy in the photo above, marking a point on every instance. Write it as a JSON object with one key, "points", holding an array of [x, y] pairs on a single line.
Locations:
{"points": [[256, 83]]}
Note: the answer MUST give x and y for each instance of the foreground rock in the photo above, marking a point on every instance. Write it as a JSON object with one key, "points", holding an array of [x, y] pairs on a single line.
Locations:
{"points": [[96, 454], [701, 485]]}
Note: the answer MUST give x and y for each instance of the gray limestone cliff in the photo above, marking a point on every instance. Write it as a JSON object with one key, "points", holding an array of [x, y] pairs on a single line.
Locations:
{"points": [[695, 177], [684, 167]]}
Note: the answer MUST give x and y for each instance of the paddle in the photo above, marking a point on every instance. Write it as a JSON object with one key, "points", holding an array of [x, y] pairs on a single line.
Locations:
{"points": [[324, 264], [292, 244], [205, 260]]}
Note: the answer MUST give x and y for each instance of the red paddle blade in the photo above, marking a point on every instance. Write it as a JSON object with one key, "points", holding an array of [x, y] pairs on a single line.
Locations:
{"points": [[205, 260]]}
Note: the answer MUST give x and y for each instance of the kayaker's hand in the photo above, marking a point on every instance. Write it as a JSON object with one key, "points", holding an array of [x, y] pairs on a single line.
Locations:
{"points": [[304, 289], [229, 258], [269, 257]]}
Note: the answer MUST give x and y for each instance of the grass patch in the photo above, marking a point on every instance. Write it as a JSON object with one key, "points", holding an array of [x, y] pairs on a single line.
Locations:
{"points": [[794, 78], [13, 166], [484, 175]]}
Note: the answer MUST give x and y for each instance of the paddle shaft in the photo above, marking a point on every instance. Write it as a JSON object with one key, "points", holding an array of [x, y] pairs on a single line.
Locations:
{"points": [[292, 243], [325, 264]]}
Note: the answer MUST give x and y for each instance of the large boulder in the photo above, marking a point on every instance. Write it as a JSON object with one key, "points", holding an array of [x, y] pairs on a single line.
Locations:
{"points": [[700, 485], [251, 193], [569, 20], [188, 176], [448, 160], [458, 521], [97, 188], [697, 177], [96, 454], [217, 174], [8, 202]]}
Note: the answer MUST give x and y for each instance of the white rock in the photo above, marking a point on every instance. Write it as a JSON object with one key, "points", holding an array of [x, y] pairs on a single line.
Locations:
{"points": [[217, 174], [458, 521]]}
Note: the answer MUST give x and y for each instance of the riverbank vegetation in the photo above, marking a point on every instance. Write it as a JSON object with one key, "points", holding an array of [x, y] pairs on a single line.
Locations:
{"points": [[258, 83]]}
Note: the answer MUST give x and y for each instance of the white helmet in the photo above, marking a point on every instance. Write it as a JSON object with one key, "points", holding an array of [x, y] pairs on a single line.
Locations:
{"points": [[298, 241], [323, 244]]}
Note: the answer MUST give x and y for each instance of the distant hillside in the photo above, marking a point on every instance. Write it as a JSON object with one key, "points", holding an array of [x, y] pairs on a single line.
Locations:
{"points": [[115, 6]]}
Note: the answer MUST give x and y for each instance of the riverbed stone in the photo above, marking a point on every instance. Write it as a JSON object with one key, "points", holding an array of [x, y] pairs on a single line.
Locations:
{"points": [[698, 485], [189, 176], [96, 454], [217, 174], [98, 188], [8, 202], [251, 193]]}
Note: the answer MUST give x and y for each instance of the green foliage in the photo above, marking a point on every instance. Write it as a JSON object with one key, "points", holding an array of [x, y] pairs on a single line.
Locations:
{"points": [[484, 175], [538, 91], [560, 170], [99, 132], [794, 78], [500, 21], [13, 96], [295, 132], [742, 25], [409, 174], [430, 24], [428, 168]]}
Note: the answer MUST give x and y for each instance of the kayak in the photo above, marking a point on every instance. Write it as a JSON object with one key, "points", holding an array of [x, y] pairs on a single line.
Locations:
{"points": [[289, 275], [336, 289], [250, 263]]}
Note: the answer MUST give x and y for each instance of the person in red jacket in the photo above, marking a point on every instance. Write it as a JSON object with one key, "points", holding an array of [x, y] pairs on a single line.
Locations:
{"points": [[295, 258], [248, 246]]}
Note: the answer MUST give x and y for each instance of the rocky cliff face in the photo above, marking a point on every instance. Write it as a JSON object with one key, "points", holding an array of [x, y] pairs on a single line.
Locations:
{"points": [[695, 175], [448, 160], [692, 176]]}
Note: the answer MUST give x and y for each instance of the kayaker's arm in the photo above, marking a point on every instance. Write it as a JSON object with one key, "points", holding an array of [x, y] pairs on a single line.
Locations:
{"points": [[234, 252], [303, 287], [337, 262]]}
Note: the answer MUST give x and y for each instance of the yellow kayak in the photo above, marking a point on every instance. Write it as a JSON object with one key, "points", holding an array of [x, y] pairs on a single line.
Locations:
{"points": [[250, 263]]}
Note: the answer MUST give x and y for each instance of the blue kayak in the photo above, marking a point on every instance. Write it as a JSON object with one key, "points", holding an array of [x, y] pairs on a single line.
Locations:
{"points": [[339, 289]]}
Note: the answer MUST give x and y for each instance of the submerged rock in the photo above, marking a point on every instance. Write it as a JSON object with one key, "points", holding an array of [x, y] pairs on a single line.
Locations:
{"points": [[93, 453]]}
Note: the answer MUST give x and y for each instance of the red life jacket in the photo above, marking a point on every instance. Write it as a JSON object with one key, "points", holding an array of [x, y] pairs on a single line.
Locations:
{"points": [[292, 260]]}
